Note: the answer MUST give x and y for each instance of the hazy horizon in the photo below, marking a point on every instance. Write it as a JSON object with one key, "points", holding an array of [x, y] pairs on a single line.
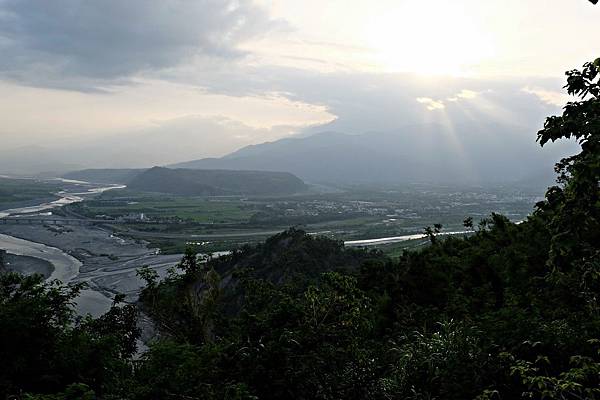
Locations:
{"points": [[140, 83]]}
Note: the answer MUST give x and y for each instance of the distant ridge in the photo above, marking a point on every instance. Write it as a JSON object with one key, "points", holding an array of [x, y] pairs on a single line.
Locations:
{"points": [[105, 175], [424, 153], [196, 182], [216, 182]]}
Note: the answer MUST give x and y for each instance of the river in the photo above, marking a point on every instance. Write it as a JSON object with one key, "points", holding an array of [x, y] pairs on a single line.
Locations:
{"points": [[66, 267], [65, 199]]}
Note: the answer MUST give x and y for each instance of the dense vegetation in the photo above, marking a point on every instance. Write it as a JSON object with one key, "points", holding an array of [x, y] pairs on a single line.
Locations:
{"points": [[106, 175], [45, 348], [195, 182], [511, 311], [215, 182]]}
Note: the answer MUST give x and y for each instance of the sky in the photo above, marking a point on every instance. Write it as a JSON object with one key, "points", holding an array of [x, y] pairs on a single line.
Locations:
{"points": [[188, 79]]}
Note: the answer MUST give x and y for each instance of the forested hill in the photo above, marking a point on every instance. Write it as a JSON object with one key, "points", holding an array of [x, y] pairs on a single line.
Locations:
{"points": [[195, 182], [293, 254], [106, 175], [216, 182]]}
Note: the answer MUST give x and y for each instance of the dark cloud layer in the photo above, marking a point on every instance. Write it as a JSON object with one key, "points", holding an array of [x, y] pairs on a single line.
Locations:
{"points": [[364, 102], [85, 45], [78, 43]]}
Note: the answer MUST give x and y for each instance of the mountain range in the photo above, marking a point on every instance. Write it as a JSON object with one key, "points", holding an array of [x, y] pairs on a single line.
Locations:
{"points": [[430, 153]]}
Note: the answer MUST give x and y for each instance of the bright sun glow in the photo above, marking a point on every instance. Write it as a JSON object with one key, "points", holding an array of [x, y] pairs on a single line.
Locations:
{"points": [[429, 37]]}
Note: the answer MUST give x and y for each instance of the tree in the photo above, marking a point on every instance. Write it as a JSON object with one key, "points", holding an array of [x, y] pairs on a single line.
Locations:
{"points": [[189, 263], [45, 348], [468, 223], [572, 208], [431, 233]]}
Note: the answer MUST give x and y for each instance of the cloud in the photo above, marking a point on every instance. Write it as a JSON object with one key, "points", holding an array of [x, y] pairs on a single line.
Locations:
{"points": [[385, 102], [501, 111], [78, 43], [466, 94], [431, 104], [548, 96], [353, 102]]}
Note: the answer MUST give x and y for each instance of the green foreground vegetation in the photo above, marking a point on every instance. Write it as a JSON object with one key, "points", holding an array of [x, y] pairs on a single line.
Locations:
{"points": [[511, 311]]}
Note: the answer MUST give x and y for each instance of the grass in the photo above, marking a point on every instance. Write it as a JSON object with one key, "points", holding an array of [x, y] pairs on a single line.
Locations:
{"points": [[179, 246], [193, 209], [13, 192]]}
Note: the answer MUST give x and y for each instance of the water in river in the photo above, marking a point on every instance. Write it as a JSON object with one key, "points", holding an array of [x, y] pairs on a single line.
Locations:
{"points": [[65, 199], [66, 267]]}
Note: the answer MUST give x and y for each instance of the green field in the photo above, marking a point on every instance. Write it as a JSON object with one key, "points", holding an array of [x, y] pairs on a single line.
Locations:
{"points": [[171, 221], [19, 192], [167, 208]]}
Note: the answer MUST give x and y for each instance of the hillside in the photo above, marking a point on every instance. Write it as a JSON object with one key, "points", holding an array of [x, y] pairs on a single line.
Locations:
{"points": [[292, 254], [107, 175], [425, 153], [216, 182]]}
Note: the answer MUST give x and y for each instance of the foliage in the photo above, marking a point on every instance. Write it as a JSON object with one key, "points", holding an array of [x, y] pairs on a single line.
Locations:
{"points": [[45, 349], [204, 182], [580, 381], [475, 317]]}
